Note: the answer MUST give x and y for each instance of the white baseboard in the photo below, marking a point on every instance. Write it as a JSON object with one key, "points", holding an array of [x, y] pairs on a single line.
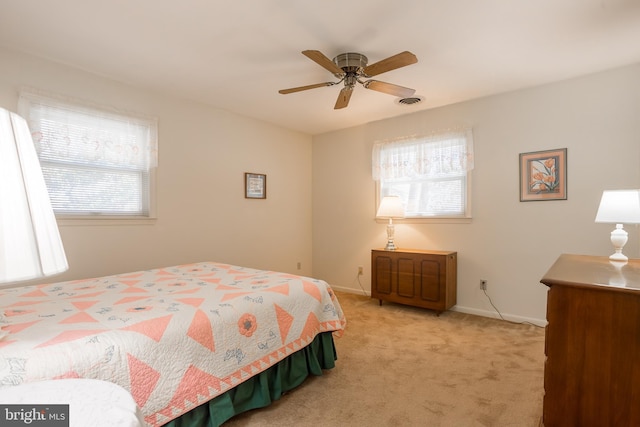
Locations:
{"points": [[494, 315], [462, 309]]}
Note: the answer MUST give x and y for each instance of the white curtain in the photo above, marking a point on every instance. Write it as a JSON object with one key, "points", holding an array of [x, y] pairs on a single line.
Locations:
{"points": [[30, 244], [433, 156], [89, 136]]}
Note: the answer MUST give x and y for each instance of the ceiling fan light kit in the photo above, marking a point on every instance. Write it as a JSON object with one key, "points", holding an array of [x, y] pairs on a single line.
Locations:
{"points": [[352, 68], [350, 62]]}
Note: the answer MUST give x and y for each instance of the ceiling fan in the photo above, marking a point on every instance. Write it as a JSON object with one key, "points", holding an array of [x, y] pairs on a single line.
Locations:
{"points": [[352, 68]]}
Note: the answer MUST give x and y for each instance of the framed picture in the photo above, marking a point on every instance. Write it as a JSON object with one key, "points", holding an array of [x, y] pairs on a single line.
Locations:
{"points": [[543, 175], [255, 186]]}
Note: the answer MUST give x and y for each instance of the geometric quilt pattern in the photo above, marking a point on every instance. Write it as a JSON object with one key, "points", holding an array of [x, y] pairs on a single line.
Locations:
{"points": [[174, 337]]}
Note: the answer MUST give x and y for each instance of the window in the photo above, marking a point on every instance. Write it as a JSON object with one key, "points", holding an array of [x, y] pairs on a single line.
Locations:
{"points": [[430, 174], [96, 163]]}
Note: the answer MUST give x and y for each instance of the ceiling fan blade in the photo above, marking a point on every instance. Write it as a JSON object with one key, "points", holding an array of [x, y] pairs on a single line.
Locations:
{"points": [[389, 88], [391, 63], [319, 58], [301, 88], [343, 98]]}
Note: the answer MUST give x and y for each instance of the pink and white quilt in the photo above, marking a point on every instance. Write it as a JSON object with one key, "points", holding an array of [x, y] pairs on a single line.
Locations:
{"points": [[174, 337]]}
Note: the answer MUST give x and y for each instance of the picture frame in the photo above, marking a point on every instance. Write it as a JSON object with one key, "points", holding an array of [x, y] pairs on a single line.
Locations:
{"points": [[543, 175], [255, 186]]}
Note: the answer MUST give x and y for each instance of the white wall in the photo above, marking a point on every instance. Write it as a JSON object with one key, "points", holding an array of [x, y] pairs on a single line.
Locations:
{"points": [[203, 155], [509, 243]]}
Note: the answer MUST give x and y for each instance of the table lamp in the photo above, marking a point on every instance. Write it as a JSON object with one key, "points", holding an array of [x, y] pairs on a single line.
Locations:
{"points": [[619, 207], [390, 207]]}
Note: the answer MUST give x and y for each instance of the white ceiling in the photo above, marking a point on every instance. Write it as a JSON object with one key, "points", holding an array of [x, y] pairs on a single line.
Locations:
{"points": [[236, 55]]}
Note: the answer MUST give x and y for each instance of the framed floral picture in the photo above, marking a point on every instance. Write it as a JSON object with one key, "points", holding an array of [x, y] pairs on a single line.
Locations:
{"points": [[255, 186], [543, 175]]}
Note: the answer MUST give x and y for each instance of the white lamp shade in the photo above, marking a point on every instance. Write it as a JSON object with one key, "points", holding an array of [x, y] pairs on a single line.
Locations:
{"points": [[30, 244], [391, 207], [619, 207]]}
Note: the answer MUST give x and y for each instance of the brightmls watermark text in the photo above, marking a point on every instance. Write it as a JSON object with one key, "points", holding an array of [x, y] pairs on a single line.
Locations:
{"points": [[34, 415]]}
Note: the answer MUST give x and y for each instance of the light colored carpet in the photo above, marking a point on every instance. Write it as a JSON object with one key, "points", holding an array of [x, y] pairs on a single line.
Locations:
{"points": [[403, 366]]}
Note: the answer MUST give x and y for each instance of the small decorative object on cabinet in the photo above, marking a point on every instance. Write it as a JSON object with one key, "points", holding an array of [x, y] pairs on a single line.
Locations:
{"points": [[426, 279], [592, 343]]}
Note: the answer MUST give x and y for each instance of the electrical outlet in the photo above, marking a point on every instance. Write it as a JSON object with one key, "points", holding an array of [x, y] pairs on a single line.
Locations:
{"points": [[483, 285], [360, 271], [299, 265]]}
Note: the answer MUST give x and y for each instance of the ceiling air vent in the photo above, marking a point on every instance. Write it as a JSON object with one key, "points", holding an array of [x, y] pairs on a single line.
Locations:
{"points": [[410, 101]]}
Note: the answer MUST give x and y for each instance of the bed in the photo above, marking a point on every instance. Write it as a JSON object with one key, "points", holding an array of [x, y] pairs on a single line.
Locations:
{"points": [[193, 344]]}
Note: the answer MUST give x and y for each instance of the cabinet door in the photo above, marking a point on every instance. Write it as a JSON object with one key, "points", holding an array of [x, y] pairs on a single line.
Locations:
{"points": [[383, 273], [407, 279], [430, 279]]}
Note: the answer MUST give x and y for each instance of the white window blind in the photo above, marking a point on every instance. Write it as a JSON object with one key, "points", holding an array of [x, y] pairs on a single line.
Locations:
{"points": [[95, 162], [429, 174]]}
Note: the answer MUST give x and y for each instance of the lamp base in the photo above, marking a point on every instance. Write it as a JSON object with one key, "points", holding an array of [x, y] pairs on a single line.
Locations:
{"points": [[618, 256], [390, 232], [390, 246], [619, 238]]}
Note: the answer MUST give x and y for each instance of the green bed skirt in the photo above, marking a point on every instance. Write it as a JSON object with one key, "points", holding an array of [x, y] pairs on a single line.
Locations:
{"points": [[262, 389]]}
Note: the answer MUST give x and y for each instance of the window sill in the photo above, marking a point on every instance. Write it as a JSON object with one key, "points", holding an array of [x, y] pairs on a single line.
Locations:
{"points": [[103, 220], [427, 220]]}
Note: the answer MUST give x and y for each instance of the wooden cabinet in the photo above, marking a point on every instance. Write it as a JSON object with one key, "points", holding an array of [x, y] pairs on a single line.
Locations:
{"points": [[592, 343], [424, 279]]}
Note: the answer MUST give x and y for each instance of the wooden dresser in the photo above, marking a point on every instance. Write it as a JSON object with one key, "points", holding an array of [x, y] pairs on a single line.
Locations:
{"points": [[414, 277], [592, 344]]}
